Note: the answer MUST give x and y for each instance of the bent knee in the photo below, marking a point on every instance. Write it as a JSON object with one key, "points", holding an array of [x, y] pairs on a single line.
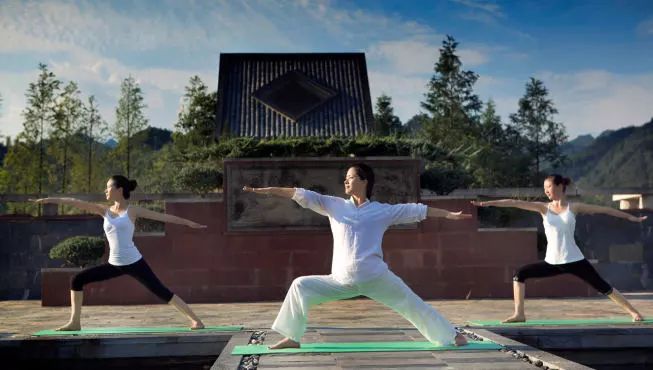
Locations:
{"points": [[77, 283], [299, 283], [519, 277]]}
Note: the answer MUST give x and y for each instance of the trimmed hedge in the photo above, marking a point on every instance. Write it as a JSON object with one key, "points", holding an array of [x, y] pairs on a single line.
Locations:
{"points": [[363, 146], [79, 251], [442, 172]]}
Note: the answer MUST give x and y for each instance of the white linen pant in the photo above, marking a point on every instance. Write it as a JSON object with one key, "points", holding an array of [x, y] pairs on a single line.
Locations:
{"points": [[308, 291]]}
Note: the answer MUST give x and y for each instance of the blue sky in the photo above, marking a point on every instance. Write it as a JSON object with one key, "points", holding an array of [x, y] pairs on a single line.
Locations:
{"points": [[595, 57]]}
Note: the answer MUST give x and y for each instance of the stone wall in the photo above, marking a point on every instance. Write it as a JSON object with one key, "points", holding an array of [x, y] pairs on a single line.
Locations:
{"points": [[439, 259], [24, 246]]}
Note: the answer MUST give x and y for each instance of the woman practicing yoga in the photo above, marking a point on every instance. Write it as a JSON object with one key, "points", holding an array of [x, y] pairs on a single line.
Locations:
{"points": [[124, 258], [358, 225], [562, 254]]}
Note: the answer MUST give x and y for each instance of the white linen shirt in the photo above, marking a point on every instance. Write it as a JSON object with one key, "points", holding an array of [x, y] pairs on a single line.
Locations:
{"points": [[358, 231]]}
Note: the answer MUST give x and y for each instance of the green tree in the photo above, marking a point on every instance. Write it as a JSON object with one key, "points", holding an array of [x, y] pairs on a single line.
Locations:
{"points": [[38, 116], [197, 118], [501, 161], [385, 121], [452, 106], [543, 136], [129, 119], [414, 127], [95, 130], [0, 108], [66, 123]]}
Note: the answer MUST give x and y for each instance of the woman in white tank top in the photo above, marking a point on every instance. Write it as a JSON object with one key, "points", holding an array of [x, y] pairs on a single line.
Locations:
{"points": [[562, 254], [124, 257]]}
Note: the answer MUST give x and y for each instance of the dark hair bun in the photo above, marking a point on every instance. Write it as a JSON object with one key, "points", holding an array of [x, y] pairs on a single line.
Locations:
{"points": [[566, 181], [132, 185]]}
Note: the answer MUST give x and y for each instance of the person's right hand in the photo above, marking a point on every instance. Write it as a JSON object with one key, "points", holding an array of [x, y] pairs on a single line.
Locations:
{"points": [[477, 203], [38, 201], [248, 189]]}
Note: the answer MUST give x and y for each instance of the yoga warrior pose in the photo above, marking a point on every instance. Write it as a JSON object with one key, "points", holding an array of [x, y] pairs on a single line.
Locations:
{"points": [[124, 258], [562, 254], [358, 225]]}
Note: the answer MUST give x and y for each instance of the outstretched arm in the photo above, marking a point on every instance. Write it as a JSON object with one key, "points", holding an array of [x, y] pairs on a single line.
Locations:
{"points": [[280, 192], [163, 217], [592, 209], [538, 207], [86, 206], [437, 212], [322, 204]]}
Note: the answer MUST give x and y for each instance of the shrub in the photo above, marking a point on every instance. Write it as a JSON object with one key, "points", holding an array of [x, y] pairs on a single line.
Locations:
{"points": [[199, 178], [79, 250]]}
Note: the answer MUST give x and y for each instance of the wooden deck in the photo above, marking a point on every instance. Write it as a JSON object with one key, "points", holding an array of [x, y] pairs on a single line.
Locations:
{"points": [[458, 359]]}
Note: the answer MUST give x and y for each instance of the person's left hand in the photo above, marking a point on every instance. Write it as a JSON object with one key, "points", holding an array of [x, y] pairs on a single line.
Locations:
{"points": [[637, 219], [195, 225], [458, 216]]}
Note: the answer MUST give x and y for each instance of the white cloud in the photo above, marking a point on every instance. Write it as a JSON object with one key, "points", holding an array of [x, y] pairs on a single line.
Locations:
{"points": [[406, 57], [417, 57], [406, 92], [473, 57], [481, 11], [97, 26], [485, 6], [646, 27], [592, 101]]}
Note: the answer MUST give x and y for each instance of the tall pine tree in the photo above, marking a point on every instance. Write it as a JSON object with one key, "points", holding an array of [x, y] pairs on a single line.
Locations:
{"points": [[129, 119], [196, 120], [385, 121], [501, 162], [95, 130], [452, 106], [66, 123], [534, 121], [38, 117]]}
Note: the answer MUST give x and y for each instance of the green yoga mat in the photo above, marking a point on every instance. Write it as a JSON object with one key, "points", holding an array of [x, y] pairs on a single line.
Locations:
{"points": [[94, 331], [571, 322], [363, 347]]}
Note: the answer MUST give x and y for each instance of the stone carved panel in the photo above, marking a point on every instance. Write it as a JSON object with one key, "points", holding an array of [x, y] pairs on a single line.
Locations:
{"points": [[397, 181]]}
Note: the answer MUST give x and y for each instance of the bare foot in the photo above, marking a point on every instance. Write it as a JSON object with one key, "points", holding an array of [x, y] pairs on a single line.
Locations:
{"points": [[637, 317], [285, 343], [514, 318], [460, 340], [70, 326], [197, 325]]}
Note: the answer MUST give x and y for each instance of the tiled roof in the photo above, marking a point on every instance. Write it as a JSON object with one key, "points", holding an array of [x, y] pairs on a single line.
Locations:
{"points": [[304, 94]]}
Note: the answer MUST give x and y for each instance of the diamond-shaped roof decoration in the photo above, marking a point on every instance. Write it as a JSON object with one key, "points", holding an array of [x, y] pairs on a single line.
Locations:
{"points": [[293, 95]]}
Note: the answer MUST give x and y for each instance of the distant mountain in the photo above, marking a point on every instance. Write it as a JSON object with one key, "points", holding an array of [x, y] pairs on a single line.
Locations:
{"points": [[619, 158], [153, 137], [577, 145], [111, 143]]}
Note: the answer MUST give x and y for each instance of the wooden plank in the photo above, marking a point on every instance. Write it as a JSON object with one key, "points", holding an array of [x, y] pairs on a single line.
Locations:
{"points": [[388, 362], [226, 361]]}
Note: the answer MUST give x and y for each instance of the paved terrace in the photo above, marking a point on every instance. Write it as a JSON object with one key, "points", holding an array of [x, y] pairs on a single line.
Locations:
{"points": [[350, 320], [21, 318]]}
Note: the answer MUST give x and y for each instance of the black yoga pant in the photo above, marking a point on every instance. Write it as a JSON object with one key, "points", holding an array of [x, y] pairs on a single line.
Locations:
{"points": [[139, 270], [581, 269]]}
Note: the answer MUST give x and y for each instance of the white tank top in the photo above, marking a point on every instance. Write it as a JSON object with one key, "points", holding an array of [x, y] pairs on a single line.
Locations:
{"points": [[559, 229], [120, 234]]}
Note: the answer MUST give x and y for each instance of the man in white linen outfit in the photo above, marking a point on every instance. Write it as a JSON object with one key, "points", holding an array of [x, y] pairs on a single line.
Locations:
{"points": [[358, 225]]}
